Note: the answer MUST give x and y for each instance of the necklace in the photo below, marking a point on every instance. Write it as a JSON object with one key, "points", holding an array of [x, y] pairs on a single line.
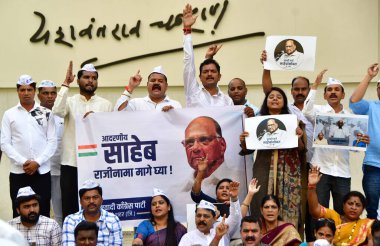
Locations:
{"points": [[350, 237]]}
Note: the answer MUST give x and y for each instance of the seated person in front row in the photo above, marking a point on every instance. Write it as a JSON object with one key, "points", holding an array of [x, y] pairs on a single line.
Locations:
{"points": [[161, 229], [222, 199], [350, 228], [323, 229], [86, 233], [36, 228], [205, 218], [275, 231], [91, 200], [250, 231]]}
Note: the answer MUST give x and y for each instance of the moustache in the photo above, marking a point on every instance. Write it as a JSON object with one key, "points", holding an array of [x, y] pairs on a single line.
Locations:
{"points": [[250, 238], [300, 96], [333, 96], [156, 87], [202, 223], [32, 214], [210, 77]]}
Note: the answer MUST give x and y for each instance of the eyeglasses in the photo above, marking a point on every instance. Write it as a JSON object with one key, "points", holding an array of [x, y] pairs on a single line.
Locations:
{"points": [[203, 140]]}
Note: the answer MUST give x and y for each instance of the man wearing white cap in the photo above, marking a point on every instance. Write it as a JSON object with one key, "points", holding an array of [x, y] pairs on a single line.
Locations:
{"points": [[157, 99], [68, 108], [91, 200], [209, 93], [371, 163], [207, 232], [47, 93], [334, 163], [37, 229], [28, 139]]}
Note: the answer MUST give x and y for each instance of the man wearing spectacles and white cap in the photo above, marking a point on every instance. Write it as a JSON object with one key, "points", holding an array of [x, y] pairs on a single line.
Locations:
{"points": [[47, 93], [371, 163], [37, 229], [157, 99], [334, 163], [209, 232], [91, 200], [28, 139], [68, 108]]}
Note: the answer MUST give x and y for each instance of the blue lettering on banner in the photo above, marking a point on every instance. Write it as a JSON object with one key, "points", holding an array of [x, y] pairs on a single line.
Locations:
{"points": [[116, 150], [129, 208]]}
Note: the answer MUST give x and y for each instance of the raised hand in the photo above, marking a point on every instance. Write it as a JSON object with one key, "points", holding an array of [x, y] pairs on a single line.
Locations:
{"points": [[212, 50], [134, 81], [253, 188], [202, 165], [373, 70], [69, 75], [234, 189], [314, 175], [188, 19], [222, 228], [318, 79]]}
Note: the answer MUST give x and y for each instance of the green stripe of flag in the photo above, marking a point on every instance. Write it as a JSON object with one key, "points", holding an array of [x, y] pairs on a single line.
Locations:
{"points": [[87, 154]]}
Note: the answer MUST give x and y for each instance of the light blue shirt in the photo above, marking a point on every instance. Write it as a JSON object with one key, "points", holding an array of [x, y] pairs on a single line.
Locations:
{"points": [[372, 109]]}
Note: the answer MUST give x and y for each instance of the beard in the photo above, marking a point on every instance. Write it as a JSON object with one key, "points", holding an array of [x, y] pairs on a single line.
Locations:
{"points": [[31, 218], [88, 90]]}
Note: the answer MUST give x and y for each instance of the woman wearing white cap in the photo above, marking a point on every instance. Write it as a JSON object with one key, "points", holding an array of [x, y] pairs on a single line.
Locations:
{"points": [[161, 229]]}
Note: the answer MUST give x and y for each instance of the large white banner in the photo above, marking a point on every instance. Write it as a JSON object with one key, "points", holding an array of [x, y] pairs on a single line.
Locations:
{"points": [[130, 153]]}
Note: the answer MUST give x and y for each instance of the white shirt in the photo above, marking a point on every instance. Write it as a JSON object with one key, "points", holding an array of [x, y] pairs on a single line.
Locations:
{"points": [[337, 132], [196, 94], [309, 128], [196, 237], [145, 103], [334, 162], [273, 139], [68, 108], [290, 61], [28, 136], [55, 160]]}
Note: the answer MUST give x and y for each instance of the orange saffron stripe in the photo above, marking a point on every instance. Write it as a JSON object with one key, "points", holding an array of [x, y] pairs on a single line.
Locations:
{"points": [[91, 146]]}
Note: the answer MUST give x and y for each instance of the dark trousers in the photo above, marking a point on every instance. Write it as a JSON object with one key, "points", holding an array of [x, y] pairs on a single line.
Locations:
{"points": [[69, 190], [40, 183], [371, 187], [338, 187]]}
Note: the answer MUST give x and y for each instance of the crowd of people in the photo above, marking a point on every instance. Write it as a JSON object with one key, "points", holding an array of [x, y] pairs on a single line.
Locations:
{"points": [[288, 196]]}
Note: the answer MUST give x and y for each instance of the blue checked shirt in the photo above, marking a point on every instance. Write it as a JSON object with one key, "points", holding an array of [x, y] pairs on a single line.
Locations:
{"points": [[46, 232], [110, 232]]}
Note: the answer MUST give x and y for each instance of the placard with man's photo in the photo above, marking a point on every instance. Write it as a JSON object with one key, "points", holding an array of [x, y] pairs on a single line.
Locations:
{"points": [[290, 53], [340, 131], [271, 132]]}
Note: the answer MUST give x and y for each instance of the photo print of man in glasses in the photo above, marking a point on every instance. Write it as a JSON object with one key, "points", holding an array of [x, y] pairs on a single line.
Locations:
{"points": [[204, 141]]}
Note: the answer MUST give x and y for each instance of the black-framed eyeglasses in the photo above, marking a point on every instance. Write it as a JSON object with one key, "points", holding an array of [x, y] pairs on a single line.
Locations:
{"points": [[204, 140]]}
